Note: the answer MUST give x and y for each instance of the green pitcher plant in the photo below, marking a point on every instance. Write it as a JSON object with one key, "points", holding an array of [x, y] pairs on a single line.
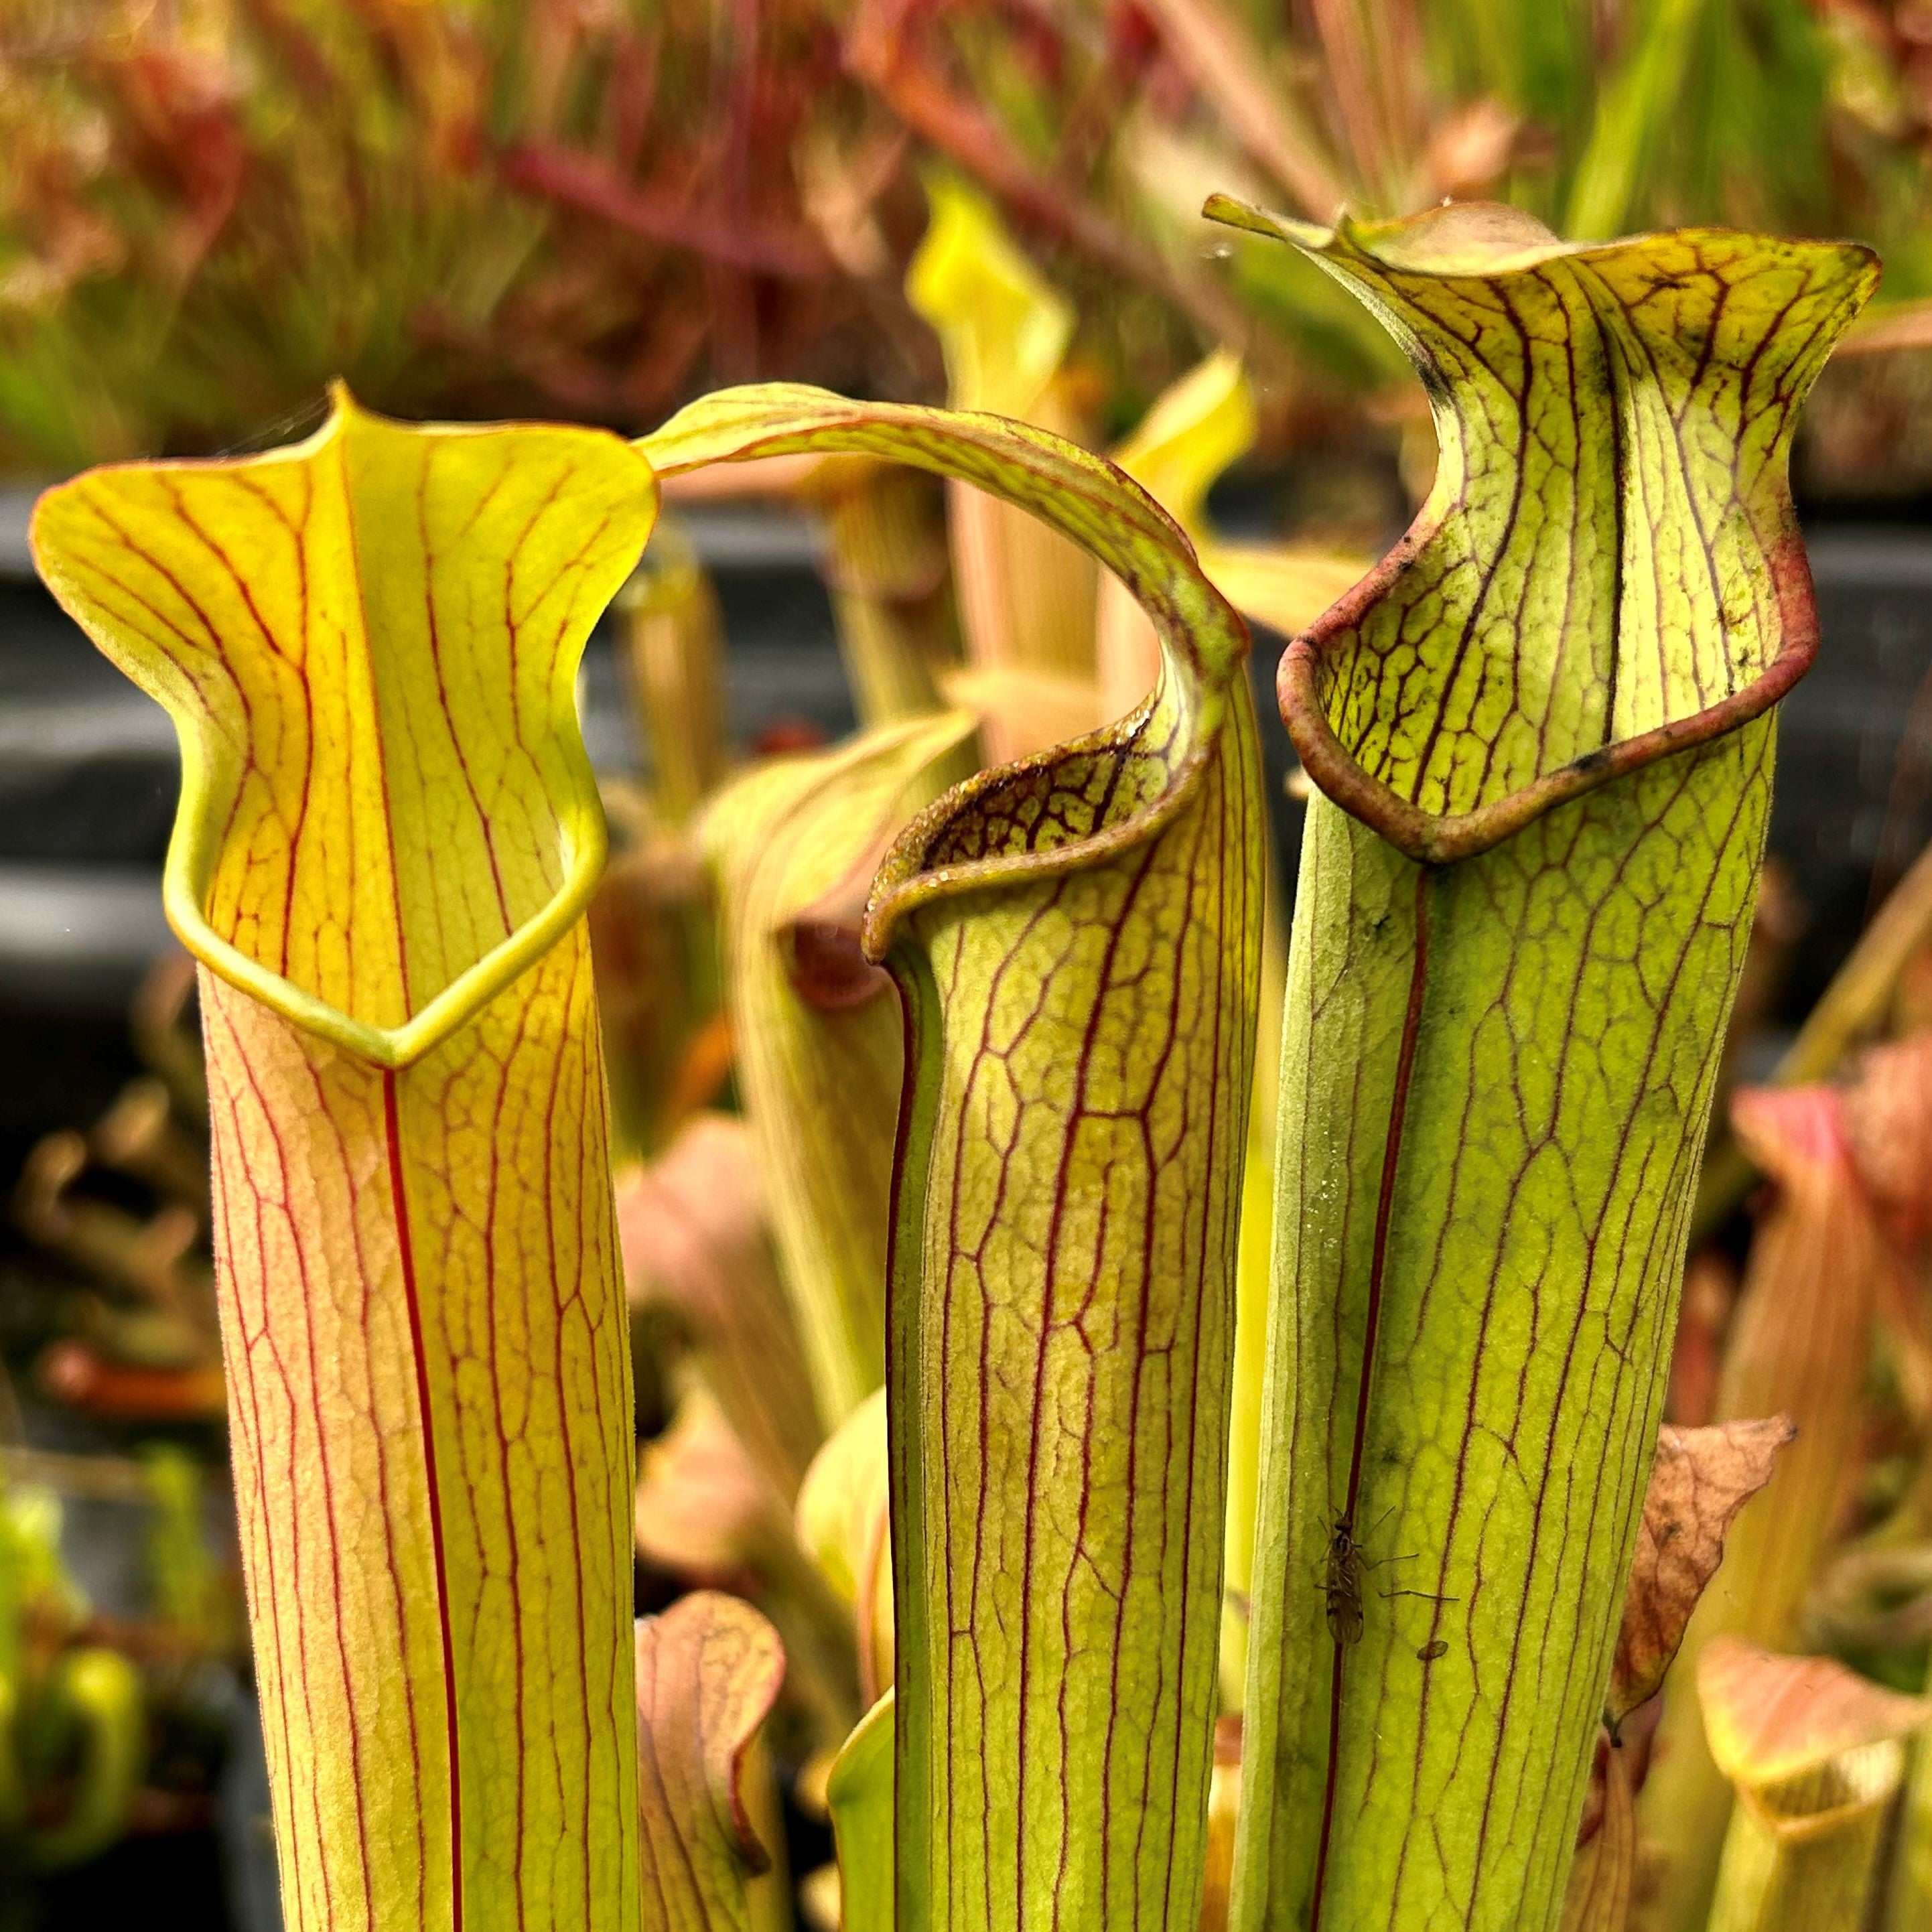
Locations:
{"points": [[73, 1721], [1540, 733], [797, 842]]}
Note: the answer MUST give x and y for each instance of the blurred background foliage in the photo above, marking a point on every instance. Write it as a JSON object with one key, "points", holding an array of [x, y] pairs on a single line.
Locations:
{"points": [[595, 208]]}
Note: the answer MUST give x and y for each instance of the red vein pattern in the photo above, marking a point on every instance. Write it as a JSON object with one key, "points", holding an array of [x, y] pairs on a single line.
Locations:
{"points": [[820, 1085], [1076, 940], [1075, 1205], [1498, 1072], [369, 645]]}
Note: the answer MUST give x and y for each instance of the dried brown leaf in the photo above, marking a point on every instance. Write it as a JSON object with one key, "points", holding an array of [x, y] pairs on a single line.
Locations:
{"points": [[1598, 1897], [1224, 1805], [1799, 1343], [1701, 1479]]}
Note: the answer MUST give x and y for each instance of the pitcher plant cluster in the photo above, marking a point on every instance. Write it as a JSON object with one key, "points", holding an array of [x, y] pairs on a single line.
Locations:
{"points": [[1166, 1407]]}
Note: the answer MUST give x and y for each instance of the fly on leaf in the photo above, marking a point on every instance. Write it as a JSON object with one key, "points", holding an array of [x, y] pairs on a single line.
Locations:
{"points": [[1342, 1585]]}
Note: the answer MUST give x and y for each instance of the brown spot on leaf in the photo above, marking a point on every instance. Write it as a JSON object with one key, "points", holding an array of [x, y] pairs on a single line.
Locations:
{"points": [[1701, 1479], [828, 968]]}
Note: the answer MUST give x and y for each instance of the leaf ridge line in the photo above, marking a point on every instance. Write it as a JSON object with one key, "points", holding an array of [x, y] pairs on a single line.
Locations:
{"points": [[392, 1135], [1411, 1028]]}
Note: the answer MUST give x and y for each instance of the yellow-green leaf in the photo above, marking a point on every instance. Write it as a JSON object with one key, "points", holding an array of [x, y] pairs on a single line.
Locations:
{"points": [[1540, 729], [859, 1793], [708, 1671], [1075, 938], [1285, 586], [844, 1523], [1909, 1902], [795, 843], [93, 1704], [369, 644], [1205, 422], [1193, 432], [1005, 329]]}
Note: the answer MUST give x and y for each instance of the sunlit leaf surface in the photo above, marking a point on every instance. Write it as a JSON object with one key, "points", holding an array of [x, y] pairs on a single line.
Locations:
{"points": [[369, 644]]}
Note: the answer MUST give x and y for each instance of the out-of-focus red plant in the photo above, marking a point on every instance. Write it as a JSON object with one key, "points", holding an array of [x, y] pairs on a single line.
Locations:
{"points": [[551, 207]]}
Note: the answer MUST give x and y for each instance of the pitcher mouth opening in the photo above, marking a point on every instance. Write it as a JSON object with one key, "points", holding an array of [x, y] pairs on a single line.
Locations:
{"points": [[1609, 570], [335, 583], [1441, 838]]}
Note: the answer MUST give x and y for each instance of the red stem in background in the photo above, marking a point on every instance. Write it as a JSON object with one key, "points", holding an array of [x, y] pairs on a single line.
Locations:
{"points": [[589, 185]]}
